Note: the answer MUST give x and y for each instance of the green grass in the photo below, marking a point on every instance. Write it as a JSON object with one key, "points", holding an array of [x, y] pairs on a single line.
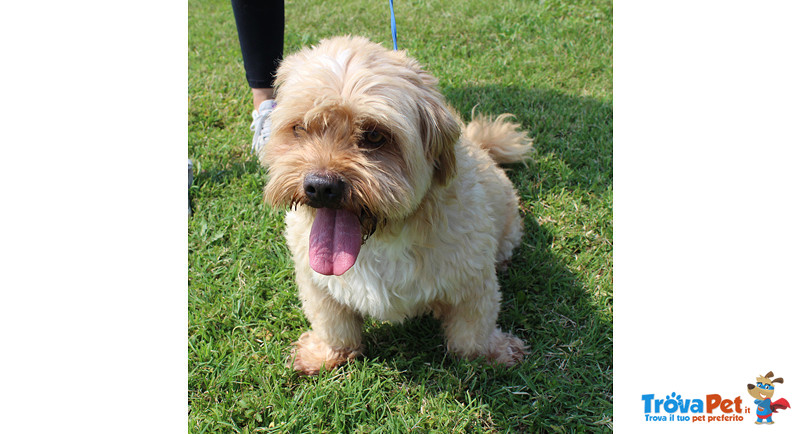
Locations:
{"points": [[547, 62]]}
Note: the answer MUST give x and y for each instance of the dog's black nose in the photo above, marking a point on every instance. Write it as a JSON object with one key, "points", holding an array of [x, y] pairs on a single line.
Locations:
{"points": [[324, 190]]}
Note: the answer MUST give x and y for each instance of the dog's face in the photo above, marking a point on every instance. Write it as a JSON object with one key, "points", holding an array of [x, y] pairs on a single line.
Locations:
{"points": [[764, 387], [361, 134]]}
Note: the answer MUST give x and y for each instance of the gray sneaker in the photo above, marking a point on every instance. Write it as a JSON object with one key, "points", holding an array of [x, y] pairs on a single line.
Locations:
{"points": [[261, 126]]}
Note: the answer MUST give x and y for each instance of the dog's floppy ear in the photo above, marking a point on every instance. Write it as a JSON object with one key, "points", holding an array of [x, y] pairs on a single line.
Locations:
{"points": [[438, 127], [440, 130]]}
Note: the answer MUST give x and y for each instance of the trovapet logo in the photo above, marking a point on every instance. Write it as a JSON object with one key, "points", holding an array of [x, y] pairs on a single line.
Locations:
{"points": [[711, 408], [716, 408]]}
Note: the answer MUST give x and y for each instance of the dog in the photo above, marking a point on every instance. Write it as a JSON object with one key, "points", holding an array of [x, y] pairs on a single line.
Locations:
{"points": [[395, 208], [763, 392]]}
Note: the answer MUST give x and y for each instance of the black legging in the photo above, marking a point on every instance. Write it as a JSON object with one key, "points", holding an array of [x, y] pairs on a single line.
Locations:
{"points": [[260, 26]]}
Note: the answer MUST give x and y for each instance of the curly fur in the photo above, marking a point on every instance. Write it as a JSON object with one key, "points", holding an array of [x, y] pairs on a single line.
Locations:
{"points": [[437, 213]]}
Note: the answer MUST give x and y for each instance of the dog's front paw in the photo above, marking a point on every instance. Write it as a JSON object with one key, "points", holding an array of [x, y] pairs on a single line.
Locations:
{"points": [[311, 354], [506, 349]]}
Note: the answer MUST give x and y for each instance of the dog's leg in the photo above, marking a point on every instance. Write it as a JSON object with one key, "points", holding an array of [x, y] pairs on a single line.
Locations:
{"points": [[471, 327], [335, 335], [511, 235]]}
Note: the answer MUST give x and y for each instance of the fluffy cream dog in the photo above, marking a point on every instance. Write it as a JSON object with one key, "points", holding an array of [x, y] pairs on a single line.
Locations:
{"points": [[393, 212]]}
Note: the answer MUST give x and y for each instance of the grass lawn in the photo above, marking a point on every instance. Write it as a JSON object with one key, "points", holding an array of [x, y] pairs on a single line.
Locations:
{"points": [[549, 63]]}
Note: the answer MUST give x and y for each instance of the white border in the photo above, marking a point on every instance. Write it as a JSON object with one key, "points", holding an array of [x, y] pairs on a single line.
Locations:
{"points": [[94, 137], [706, 211]]}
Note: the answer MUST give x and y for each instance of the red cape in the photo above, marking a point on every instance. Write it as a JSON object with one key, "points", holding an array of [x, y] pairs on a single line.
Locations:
{"points": [[780, 404]]}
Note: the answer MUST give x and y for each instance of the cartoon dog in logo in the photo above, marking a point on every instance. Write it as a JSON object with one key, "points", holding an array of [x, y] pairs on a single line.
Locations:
{"points": [[762, 392]]}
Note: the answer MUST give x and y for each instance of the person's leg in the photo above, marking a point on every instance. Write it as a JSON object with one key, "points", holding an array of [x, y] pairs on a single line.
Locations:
{"points": [[260, 27], [262, 94]]}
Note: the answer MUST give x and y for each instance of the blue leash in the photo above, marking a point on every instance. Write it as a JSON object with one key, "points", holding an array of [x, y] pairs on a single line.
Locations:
{"points": [[394, 25]]}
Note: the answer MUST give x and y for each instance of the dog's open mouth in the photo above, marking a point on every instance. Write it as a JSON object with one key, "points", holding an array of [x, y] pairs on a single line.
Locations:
{"points": [[334, 242]]}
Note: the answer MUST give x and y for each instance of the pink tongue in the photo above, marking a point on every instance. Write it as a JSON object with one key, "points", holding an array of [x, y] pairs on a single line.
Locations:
{"points": [[334, 242]]}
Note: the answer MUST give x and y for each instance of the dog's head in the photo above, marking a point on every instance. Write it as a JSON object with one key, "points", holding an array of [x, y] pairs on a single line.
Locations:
{"points": [[765, 386], [361, 134]]}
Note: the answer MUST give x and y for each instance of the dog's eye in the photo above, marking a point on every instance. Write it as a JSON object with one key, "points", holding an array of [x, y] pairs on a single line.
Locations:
{"points": [[373, 139], [298, 130]]}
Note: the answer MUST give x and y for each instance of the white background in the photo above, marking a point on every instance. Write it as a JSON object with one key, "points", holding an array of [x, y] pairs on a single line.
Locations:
{"points": [[93, 217], [93, 277], [706, 205]]}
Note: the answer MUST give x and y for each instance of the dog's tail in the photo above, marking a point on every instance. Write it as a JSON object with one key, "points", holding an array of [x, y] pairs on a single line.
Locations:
{"points": [[504, 140]]}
